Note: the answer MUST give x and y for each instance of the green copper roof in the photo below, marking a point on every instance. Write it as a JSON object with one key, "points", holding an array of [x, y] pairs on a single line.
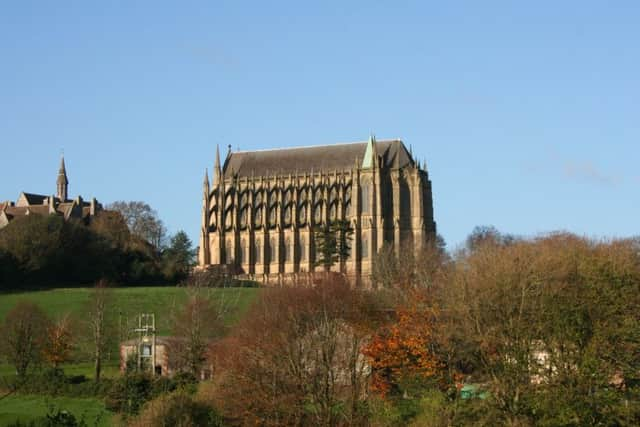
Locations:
{"points": [[367, 161]]}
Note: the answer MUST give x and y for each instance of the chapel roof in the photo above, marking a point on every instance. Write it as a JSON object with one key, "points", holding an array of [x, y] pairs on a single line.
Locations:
{"points": [[284, 161]]}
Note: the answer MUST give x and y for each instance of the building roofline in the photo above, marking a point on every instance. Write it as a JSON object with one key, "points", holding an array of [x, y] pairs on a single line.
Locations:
{"points": [[302, 147]]}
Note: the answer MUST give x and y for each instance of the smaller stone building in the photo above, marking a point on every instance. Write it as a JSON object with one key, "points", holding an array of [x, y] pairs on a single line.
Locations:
{"points": [[164, 364], [130, 349], [58, 204]]}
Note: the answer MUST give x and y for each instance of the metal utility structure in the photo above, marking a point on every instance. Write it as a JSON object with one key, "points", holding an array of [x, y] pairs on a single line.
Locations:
{"points": [[146, 341]]}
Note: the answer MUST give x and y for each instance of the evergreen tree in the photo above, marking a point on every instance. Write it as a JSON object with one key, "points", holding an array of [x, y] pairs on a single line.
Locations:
{"points": [[333, 243]]}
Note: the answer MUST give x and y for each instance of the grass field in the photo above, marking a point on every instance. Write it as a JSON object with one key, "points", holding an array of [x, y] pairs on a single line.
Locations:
{"points": [[126, 304], [27, 408]]}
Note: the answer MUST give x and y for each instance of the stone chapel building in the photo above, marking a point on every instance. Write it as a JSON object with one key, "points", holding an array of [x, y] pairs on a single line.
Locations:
{"points": [[259, 212], [58, 204]]}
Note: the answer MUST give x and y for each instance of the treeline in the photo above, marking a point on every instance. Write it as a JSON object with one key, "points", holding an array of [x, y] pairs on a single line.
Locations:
{"points": [[49, 251], [506, 331]]}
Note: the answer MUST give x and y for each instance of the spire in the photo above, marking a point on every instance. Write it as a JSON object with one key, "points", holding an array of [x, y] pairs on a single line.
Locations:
{"points": [[62, 183], [206, 181], [217, 172]]}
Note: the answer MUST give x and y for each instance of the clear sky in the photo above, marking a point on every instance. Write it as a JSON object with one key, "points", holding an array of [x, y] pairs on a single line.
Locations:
{"points": [[527, 113]]}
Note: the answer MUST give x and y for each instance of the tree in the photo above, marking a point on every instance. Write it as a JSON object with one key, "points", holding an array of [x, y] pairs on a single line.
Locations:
{"points": [[98, 313], [59, 341], [487, 234], [24, 336], [112, 226], [295, 358], [332, 243], [423, 268], [554, 327], [178, 257], [194, 326], [402, 351], [142, 220], [36, 244]]}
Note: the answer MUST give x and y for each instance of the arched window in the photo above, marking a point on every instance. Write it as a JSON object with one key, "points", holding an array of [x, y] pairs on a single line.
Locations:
{"points": [[347, 209], [364, 246], [364, 198], [257, 255], [302, 214], [228, 218], [333, 213], [317, 214], [303, 249], [287, 215], [228, 252], [272, 216], [242, 256], [258, 217], [243, 218], [272, 250], [287, 250]]}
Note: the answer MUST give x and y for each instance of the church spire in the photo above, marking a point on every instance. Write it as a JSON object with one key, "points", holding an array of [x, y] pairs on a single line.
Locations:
{"points": [[62, 183]]}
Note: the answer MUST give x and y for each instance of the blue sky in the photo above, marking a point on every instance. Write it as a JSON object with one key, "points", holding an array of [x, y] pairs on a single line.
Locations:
{"points": [[527, 113]]}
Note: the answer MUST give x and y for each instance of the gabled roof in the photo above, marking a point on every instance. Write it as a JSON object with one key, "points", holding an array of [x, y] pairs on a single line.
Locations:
{"points": [[34, 199], [303, 159]]}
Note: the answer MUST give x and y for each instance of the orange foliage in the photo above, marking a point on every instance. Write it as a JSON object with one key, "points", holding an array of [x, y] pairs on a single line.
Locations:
{"points": [[59, 342], [402, 349]]}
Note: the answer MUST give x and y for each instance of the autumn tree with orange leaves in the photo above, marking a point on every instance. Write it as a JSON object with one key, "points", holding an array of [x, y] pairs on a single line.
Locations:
{"points": [[59, 342], [403, 350]]}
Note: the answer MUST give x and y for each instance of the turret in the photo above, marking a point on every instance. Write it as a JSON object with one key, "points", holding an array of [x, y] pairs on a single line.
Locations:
{"points": [[217, 171], [62, 183]]}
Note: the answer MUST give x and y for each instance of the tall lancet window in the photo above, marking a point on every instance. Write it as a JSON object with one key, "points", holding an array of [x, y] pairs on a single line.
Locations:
{"points": [[257, 254], [364, 198], [228, 252], [364, 242], [242, 256], [272, 250], [287, 250], [303, 249]]}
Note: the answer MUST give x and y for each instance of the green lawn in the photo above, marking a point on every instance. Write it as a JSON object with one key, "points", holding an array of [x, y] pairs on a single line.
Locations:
{"points": [[110, 369], [26, 408], [127, 303]]}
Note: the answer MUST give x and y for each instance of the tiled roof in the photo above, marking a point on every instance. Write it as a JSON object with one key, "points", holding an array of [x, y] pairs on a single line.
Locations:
{"points": [[304, 159]]}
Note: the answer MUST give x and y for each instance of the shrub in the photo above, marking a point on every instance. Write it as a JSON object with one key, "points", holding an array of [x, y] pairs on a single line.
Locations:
{"points": [[178, 409]]}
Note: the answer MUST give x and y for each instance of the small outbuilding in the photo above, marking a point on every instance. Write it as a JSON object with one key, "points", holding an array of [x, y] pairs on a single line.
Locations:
{"points": [[147, 352]]}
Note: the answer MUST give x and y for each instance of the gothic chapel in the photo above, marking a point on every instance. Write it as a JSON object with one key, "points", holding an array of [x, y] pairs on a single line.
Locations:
{"points": [[258, 214]]}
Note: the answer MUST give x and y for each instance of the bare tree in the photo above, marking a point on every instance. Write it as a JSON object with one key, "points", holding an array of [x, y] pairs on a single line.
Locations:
{"points": [[99, 305], [24, 336], [142, 220], [194, 326]]}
